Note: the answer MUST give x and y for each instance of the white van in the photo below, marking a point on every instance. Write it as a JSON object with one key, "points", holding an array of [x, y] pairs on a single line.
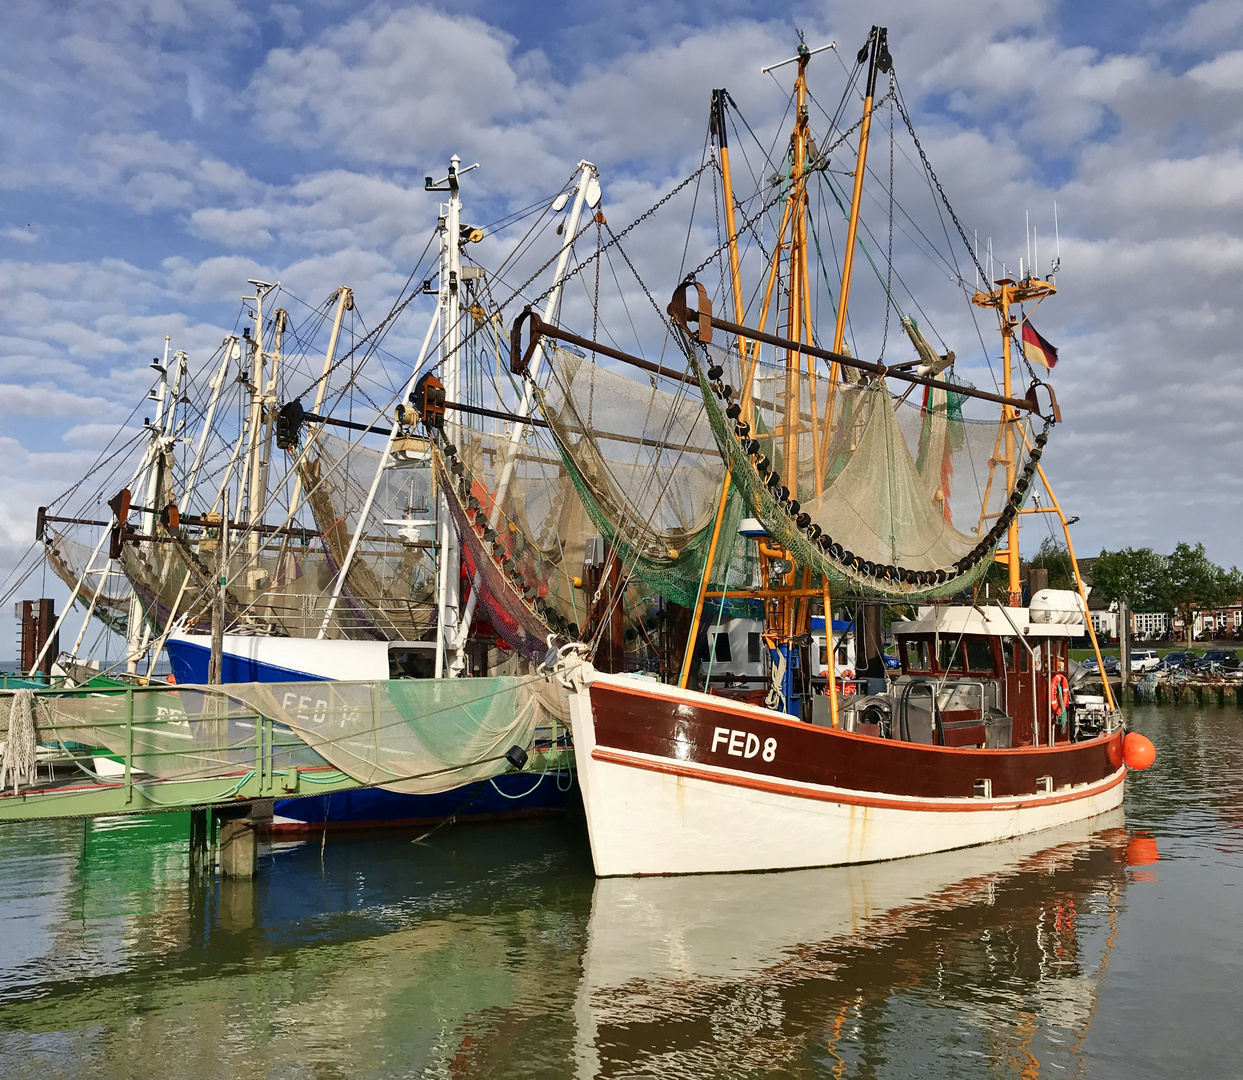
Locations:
{"points": [[1143, 660]]}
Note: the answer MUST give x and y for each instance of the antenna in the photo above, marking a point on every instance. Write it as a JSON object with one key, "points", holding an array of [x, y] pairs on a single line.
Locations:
{"points": [[1035, 253], [1027, 235], [1057, 243]]}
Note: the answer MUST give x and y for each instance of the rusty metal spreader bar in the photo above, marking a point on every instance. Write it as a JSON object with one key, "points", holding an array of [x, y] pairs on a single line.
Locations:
{"points": [[704, 322], [520, 358]]}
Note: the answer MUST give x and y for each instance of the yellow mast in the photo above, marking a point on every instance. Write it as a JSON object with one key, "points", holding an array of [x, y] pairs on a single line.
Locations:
{"points": [[878, 60], [1006, 295], [731, 224], [876, 52], [790, 604]]}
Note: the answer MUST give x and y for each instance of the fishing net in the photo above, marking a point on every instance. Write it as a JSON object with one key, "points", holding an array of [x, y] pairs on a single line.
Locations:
{"points": [[543, 528], [280, 587], [910, 496], [414, 736], [506, 598], [390, 585], [69, 561], [648, 471], [533, 560]]}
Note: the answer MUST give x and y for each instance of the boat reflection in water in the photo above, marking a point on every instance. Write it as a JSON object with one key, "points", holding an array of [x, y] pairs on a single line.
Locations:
{"points": [[1001, 947], [491, 951]]}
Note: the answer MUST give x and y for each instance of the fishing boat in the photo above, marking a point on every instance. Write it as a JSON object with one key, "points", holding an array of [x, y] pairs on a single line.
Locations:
{"points": [[850, 490], [214, 588]]}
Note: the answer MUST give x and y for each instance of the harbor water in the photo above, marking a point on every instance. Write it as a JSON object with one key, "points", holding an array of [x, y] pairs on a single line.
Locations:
{"points": [[1111, 949]]}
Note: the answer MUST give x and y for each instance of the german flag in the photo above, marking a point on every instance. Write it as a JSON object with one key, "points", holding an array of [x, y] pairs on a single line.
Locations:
{"points": [[1036, 349]]}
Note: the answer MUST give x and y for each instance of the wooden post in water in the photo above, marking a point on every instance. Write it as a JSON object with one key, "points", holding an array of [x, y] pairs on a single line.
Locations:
{"points": [[239, 849], [200, 847], [1124, 645]]}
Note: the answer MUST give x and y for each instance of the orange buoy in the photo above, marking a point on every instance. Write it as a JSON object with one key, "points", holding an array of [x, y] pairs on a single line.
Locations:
{"points": [[1138, 751]]}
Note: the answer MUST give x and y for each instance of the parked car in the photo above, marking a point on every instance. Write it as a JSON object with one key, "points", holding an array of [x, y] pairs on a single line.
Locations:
{"points": [[1173, 660], [1223, 658], [1113, 666], [1143, 660]]}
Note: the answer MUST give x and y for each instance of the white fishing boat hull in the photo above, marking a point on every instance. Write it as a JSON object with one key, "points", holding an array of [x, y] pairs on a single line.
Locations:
{"points": [[677, 812]]}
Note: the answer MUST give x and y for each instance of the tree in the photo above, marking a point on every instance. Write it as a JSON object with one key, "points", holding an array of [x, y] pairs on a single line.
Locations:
{"points": [[1054, 557], [1192, 580], [1138, 574]]}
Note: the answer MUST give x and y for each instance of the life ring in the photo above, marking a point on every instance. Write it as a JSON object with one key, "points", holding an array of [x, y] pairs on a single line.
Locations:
{"points": [[1059, 694], [846, 674]]}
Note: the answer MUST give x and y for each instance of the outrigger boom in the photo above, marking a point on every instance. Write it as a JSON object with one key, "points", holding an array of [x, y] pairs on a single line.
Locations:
{"points": [[705, 321]]}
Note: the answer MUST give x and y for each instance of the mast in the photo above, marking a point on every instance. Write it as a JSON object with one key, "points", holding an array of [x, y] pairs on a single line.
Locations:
{"points": [[259, 490], [137, 628], [587, 173], [385, 462], [1007, 294], [246, 504], [877, 51], [231, 350], [731, 225], [345, 302], [450, 563]]}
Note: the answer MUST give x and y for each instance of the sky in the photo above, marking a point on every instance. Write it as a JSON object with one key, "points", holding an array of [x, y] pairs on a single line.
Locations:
{"points": [[154, 154]]}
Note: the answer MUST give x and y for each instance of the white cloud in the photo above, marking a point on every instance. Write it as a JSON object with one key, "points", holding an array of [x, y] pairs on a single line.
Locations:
{"points": [[1142, 158]]}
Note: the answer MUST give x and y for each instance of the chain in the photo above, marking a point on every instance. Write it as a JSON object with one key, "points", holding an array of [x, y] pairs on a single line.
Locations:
{"points": [[940, 190], [595, 300]]}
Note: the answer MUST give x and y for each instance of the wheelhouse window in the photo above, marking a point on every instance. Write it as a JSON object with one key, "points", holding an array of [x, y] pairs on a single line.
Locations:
{"points": [[980, 655], [917, 655], [753, 648], [721, 652], [950, 654]]}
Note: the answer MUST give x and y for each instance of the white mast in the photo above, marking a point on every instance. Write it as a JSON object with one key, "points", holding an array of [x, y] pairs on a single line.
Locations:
{"points": [[345, 302], [231, 350], [450, 563], [447, 319], [587, 192], [385, 460], [247, 501], [137, 628]]}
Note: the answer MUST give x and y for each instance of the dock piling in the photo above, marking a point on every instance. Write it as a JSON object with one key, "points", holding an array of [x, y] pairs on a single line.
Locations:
{"points": [[201, 863], [239, 849]]}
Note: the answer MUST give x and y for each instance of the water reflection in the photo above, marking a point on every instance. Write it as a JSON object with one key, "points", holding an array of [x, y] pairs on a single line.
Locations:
{"points": [[976, 949], [491, 951]]}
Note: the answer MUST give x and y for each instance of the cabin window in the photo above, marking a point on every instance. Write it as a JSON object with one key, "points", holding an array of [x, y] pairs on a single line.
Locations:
{"points": [[980, 655], [949, 655], [1007, 652], [721, 651], [917, 656], [753, 648]]}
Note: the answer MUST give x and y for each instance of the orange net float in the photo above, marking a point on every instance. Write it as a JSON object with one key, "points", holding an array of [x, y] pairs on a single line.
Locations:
{"points": [[1059, 694], [1138, 751]]}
